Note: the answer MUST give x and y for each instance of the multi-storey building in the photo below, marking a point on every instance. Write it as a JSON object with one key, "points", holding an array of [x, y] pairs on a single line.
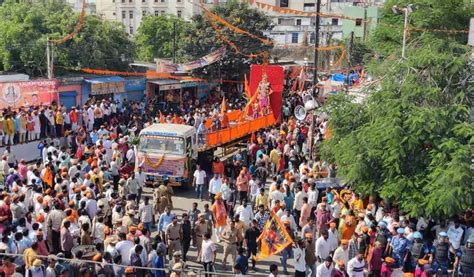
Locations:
{"points": [[131, 12]]}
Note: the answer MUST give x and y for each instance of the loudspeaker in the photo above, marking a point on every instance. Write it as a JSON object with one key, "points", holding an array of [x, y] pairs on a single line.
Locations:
{"points": [[300, 112]]}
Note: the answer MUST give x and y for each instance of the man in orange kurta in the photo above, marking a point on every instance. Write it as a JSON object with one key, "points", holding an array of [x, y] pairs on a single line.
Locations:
{"points": [[348, 227], [220, 214]]}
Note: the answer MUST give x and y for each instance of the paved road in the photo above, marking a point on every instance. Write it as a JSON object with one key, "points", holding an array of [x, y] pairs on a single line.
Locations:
{"points": [[182, 202]]}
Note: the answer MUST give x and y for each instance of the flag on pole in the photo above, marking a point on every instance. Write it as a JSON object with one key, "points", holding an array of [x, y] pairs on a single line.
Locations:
{"points": [[162, 118], [223, 106], [274, 238], [247, 88], [301, 80]]}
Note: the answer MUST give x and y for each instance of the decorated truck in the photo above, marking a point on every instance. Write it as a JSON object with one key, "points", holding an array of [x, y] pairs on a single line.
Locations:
{"points": [[167, 151]]}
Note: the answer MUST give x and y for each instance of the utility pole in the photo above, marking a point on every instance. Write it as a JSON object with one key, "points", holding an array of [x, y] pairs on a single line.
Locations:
{"points": [[405, 31], [364, 34], [316, 42], [349, 57], [49, 60], [174, 41]]}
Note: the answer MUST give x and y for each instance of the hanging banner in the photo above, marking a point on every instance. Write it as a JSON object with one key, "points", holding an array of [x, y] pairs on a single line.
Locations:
{"points": [[167, 67], [31, 93]]}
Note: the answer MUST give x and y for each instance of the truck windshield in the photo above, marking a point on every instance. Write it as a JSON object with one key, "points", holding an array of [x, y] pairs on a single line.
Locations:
{"points": [[161, 144]]}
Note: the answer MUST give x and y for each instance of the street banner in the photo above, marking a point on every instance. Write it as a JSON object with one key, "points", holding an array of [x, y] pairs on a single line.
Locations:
{"points": [[30, 93], [167, 67], [274, 238]]}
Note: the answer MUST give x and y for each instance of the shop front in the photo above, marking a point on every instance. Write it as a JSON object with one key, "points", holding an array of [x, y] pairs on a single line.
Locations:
{"points": [[110, 88], [70, 92], [166, 95], [135, 89]]}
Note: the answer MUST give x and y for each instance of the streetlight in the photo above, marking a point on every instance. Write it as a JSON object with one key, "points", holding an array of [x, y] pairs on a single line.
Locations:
{"points": [[407, 10]]}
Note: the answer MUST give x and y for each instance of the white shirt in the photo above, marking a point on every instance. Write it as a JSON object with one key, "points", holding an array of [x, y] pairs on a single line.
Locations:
{"points": [[293, 225], [215, 185], [323, 271], [455, 235], [313, 197], [322, 248], [200, 176], [354, 266], [298, 204], [300, 263], [207, 251], [276, 195], [333, 239], [245, 214], [341, 254], [124, 247]]}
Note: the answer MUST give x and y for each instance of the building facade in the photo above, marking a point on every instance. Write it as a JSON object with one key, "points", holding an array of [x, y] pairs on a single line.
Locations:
{"points": [[131, 12]]}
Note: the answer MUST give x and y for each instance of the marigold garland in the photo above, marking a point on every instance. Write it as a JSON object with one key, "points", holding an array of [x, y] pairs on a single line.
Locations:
{"points": [[154, 165]]}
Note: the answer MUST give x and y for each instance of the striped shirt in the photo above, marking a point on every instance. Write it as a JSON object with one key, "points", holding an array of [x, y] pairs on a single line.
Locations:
{"points": [[146, 213]]}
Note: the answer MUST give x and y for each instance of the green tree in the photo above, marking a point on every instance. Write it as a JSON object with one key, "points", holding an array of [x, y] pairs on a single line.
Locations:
{"points": [[155, 36], [202, 39], [410, 140], [24, 29]]}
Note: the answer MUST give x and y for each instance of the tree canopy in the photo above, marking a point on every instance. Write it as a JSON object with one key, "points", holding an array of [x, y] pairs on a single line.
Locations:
{"points": [[154, 37], [25, 27], [201, 39], [410, 140]]}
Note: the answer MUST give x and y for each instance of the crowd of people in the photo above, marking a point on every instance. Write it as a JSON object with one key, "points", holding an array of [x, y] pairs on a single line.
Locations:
{"points": [[82, 210]]}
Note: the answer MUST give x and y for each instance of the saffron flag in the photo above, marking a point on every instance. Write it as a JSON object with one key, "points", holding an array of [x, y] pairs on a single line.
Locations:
{"points": [[274, 238], [223, 107], [247, 88], [162, 118]]}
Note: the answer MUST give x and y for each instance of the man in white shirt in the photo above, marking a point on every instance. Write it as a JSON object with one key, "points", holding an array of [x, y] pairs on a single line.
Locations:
{"points": [[298, 204], [214, 187], [300, 262], [323, 246], [342, 252], [287, 216], [141, 177], [313, 194], [325, 269], [455, 232], [208, 253], [245, 213], [355, 267], [199, 180], [276, 195], [123, 247]]}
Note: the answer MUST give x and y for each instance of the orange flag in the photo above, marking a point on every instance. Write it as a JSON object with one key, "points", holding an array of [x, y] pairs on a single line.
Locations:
{"points": [[162, 118], [223, 107], [246, 87], [274, 238]]}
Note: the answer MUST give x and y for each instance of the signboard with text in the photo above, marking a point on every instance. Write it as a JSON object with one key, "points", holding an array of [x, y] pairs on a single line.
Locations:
{"points": [[30, 93], [107, 88]]}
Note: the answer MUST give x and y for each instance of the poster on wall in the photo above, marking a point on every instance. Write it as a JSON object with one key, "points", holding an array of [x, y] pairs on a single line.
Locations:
{"points": [[31, 93]]}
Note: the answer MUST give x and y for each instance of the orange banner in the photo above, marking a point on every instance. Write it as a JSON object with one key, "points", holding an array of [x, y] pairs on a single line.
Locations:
{"points": [[274, 238]]}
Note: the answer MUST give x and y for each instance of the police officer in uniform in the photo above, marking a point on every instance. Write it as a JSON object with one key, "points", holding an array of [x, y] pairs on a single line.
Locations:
{"points": [[441, 255], [201, 228], [231, 236], [466, 261], [383, 236], [400, 247], [174, 235], [418, 250]]}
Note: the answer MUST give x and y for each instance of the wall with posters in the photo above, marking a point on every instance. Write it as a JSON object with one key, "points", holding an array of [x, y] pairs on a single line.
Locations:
{"points": [[21, 94]]}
